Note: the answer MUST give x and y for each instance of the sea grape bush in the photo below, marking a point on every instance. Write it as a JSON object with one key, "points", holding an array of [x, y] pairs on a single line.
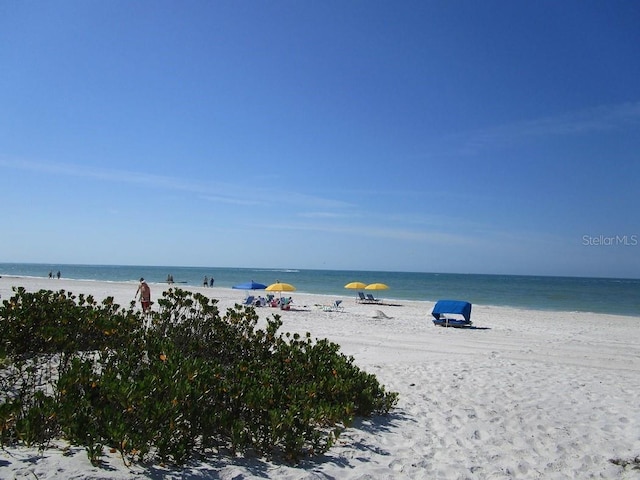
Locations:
{"points": [[59, 322], [185, 380]]}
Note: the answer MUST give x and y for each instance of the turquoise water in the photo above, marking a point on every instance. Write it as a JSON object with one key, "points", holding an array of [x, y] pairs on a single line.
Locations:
{"points": [[600, 295]]}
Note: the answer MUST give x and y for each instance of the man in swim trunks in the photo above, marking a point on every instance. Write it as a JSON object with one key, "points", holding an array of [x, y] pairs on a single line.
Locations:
{"points": [[145, 295]]}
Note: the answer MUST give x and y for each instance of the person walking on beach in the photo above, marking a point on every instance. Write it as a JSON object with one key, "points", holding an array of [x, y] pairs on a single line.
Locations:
{"points": [[145, 295], [58, 274], [211, 282], [206, 282]]}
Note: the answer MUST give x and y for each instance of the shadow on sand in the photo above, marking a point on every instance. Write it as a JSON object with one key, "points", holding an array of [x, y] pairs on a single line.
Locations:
{"points": [[207, 467]]}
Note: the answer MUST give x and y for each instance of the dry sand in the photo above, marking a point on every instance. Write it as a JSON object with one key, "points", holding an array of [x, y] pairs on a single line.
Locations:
{"points": [[526, 395]]}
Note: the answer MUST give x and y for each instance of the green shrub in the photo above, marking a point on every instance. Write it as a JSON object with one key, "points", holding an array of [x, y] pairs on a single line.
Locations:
{"points": [[58, 322], [192, 381]]}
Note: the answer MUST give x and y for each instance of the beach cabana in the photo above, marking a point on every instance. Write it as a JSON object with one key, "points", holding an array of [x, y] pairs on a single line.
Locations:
{"points": [[452, 313]]}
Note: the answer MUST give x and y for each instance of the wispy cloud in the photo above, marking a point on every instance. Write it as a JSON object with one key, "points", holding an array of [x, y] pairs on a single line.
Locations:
{"points": [[236, 194], [327, 215], [368, 231], [430, 232], [600, 119], [234, 200], [104, 174]]}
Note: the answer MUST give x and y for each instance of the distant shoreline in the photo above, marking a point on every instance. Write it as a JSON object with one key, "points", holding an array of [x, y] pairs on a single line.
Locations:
{"points": [[386, 299], [556, 294]]}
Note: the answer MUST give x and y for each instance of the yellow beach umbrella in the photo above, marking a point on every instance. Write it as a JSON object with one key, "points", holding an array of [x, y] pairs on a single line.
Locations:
{"points": [[377, 286], [357, 286], [280, 287]]}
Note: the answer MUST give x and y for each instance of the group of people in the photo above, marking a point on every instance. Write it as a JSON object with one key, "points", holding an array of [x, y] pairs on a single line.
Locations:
{"points": [[283, 303], [57, 274], [208, 282], [143, 293]]}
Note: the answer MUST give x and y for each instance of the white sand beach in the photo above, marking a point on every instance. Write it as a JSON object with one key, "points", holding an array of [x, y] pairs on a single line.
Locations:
{"points": [[526, 395]]}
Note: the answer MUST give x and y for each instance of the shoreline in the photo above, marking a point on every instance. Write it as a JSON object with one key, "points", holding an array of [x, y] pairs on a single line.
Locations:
{"points": [[225, 290], [532, 292]]}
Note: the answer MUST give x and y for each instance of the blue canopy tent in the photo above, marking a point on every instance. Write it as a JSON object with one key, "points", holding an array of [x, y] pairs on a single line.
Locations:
{"points": [[250, 286], [456, 307], [250, 299]]}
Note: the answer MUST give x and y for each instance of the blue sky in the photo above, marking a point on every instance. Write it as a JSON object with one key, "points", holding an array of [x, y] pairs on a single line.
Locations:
{"points": [[433, 136]]}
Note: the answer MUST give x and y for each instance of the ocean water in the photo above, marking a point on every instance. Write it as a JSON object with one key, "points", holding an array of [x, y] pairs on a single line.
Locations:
{"points": [[599, 295]]}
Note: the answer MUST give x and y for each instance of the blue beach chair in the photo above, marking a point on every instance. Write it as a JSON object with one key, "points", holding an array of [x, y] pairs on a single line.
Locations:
{"points": [[249, 300]]}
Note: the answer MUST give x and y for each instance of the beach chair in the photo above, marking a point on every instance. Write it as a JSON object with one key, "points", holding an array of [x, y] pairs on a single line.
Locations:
{"points": [[361, 298], [371, 299], [249, 300], [285, 304], [336, 307]]}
